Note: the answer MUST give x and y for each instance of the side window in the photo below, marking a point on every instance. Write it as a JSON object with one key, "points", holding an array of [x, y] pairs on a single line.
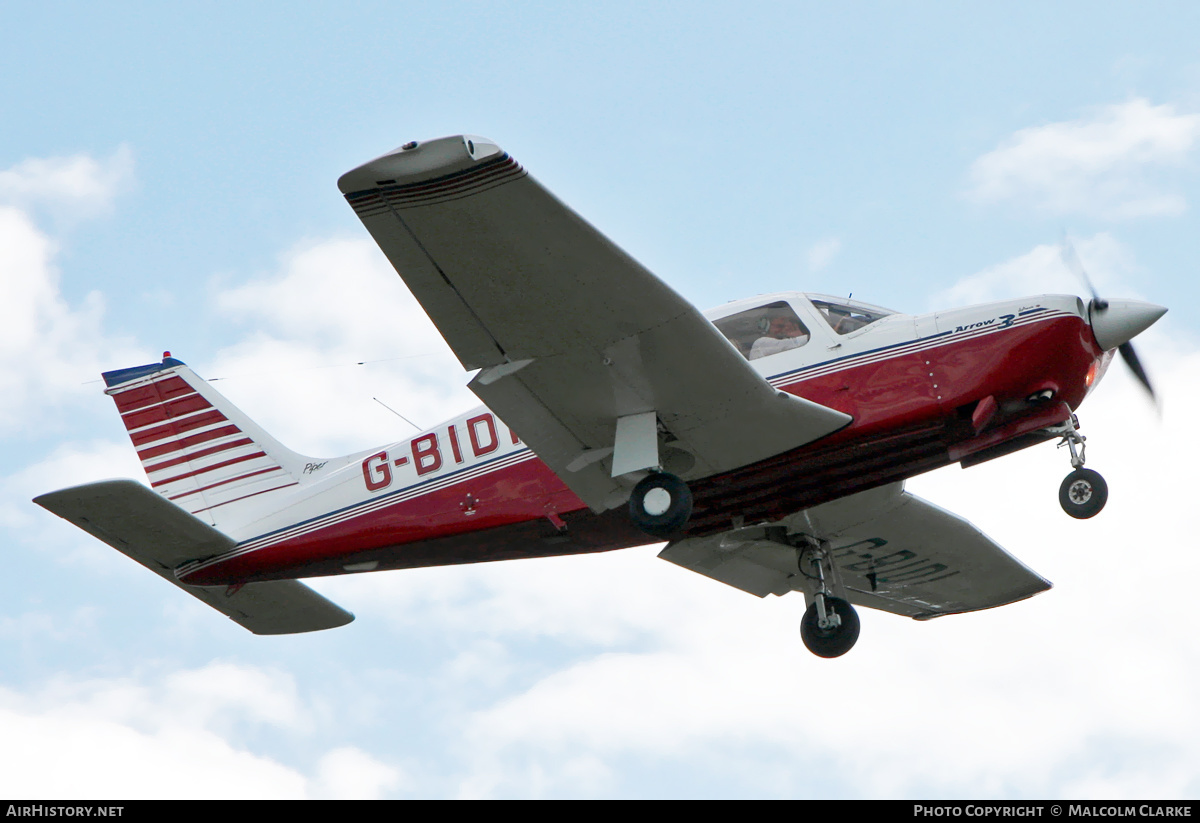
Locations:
{"points": [[844, 318], [765, 330]]}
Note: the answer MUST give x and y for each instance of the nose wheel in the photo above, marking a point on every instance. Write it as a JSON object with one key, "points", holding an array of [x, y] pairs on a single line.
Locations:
{"points": [[1083, 492]]}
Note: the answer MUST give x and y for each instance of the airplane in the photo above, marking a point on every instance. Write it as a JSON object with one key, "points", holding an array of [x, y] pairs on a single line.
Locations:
{"points": [[766, 442]]}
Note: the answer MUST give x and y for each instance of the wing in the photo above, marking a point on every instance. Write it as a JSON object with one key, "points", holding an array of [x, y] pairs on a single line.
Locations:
{"points": [[893, 551], [591, 359], [158, 534]]}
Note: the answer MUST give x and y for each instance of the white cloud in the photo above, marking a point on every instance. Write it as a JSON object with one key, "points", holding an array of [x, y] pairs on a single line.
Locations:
{"points": [[78, 185], [1109, 264], [48, 348], [347, 773], [821, 254], [173, 735], [122, 738], [334, 304], [1112, 164]]}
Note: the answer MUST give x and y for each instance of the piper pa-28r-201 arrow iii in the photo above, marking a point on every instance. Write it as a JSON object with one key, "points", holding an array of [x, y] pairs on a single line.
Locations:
{"points": [[766, 441]]}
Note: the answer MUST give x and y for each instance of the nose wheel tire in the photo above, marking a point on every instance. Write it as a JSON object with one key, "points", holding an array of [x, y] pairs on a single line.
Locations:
{"points": [[1083, 494], [660, 505], [833, 641]]}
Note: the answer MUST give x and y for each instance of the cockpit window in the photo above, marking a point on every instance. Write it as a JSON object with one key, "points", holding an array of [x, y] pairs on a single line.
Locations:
{"points": [[844, 318], [768, 329]]}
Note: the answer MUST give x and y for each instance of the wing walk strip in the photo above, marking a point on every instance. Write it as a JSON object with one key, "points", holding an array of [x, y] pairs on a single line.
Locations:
{"points": [[886, 352], [360, 509]]}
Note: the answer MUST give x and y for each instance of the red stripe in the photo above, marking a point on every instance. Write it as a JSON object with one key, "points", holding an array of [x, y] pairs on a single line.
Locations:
{"points": [[178, 427], [165, 411], [244, 496], [158, 391], [185, 442], [214, 467], [223, 482], [175, 461]]}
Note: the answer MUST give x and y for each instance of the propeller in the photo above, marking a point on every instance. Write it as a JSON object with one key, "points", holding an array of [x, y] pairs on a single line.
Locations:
{"points": [[1116, 323]]}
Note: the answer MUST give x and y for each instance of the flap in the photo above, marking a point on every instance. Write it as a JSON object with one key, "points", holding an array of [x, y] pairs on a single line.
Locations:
{"points": [[570, 332], [155, 532], [893, 551]]}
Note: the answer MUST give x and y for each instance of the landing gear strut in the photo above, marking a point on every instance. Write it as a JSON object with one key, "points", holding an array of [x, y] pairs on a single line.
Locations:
{"points": [[1083, 492], [830, 625], [660, 504]]}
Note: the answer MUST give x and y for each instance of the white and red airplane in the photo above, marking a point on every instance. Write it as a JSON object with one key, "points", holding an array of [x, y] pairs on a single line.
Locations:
{"points": [[767, 441]]}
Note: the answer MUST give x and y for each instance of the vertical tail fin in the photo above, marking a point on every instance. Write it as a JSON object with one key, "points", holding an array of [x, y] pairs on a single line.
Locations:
{"points": [[197, 448]]}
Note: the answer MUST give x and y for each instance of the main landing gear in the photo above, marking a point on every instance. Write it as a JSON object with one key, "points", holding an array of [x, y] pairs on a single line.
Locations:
{"points": [[1083, 492], [660, 504], [830, 625]]}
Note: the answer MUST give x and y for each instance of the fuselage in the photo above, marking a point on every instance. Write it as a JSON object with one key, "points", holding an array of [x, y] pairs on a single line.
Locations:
{"points": [[923, 391]]}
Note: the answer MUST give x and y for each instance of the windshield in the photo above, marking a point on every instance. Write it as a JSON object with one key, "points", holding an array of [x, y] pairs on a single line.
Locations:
{"points": [[847, 316]]}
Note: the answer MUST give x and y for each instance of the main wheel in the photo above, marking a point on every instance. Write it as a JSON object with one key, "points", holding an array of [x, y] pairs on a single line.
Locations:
{"points": [[835, 640], [660, 505], [1083, 494]]}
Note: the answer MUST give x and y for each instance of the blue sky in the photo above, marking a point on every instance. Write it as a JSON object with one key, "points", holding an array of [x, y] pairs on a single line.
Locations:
{"points": [[168, 181]]}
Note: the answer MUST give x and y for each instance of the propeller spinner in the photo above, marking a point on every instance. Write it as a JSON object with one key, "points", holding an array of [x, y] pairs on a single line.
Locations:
{"points": [[1116, 322]]}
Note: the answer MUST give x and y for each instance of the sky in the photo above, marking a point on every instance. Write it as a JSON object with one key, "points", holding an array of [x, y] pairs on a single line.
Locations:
{"points": [[168, 182]]}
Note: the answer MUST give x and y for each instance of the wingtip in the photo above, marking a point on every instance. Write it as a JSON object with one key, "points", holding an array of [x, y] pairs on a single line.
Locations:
{"points": [[416, 160]]}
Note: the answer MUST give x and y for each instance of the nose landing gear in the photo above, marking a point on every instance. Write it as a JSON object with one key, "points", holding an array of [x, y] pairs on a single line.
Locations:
{"points": [[1083, 492]]}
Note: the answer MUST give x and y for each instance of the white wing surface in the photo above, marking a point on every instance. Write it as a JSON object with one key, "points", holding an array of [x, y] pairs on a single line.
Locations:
{"points": [[893, 551], [158, 534], [571, 334]]}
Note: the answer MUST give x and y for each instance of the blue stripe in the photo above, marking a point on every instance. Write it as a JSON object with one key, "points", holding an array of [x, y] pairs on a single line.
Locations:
{"points": [[119, 376], [825, 363]]}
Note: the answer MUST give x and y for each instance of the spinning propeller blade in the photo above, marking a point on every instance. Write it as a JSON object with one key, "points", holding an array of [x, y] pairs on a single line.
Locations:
{"points": [[1116, 323], [1131, 360], [1071, 259]]}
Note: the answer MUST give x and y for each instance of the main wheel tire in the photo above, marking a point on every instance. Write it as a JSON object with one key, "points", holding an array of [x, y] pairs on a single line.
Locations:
{"points": [[834, 641], [1083, 494], [660, 505]]}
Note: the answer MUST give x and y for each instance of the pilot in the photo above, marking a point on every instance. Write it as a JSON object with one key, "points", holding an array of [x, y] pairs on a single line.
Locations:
{"points": [[844, 322], [783, 332]]}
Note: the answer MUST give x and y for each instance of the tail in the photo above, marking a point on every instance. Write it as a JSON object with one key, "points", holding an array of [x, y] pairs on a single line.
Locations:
{"points": [[197, 448]]}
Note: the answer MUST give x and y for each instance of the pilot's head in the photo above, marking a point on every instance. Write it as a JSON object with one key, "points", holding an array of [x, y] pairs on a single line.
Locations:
{"points": [[783, 326]]}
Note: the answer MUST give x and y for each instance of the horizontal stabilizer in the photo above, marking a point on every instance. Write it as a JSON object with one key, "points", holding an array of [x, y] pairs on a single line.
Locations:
{"points": [[158, 534]]}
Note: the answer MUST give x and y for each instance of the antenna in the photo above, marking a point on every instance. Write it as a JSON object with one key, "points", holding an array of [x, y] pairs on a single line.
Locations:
{"points": [[398, 414]]}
